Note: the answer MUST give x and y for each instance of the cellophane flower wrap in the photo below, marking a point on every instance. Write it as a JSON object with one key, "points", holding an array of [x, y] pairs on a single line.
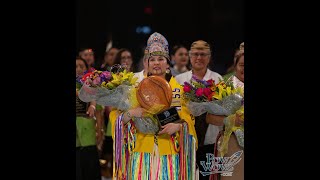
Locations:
{"points": [[148, 124], [116, 89]]}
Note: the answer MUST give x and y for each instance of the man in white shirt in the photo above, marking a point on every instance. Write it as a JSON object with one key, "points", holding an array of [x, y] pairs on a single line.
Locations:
{"points": [[200, 55]]}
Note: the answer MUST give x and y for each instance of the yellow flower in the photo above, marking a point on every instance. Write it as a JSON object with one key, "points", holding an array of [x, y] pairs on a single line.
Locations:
{"points": [[221, 88], [238, 91], [116, 79], [229, 92], [133, 80], [125, 76], [218, 95], [110, 85]]}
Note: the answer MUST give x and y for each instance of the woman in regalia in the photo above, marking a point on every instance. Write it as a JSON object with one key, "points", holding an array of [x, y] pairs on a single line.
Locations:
{"points": [[230, 141], [168, 154]]}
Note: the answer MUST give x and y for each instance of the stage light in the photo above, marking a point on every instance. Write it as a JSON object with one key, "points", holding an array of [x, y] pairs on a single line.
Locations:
{"points": [[143, 30]]}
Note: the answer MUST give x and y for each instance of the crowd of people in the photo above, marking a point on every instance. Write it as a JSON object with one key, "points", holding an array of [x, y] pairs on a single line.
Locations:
{"points": [[179, 149]]}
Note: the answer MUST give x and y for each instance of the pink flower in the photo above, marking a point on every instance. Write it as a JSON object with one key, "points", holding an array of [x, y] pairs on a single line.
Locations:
{"points": [[106, 74], [207, 92], [97, 81], [199, 92], [187, 88]]}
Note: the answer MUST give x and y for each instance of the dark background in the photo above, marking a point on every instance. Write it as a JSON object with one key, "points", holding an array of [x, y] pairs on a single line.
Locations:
{"points": [[272, 136], [219, 22]]}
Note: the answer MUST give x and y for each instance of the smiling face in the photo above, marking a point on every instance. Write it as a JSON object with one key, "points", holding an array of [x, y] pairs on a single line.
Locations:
{"points": [[80, 67], [88, 55], [199, 58], [239, 70], [158, 65]]}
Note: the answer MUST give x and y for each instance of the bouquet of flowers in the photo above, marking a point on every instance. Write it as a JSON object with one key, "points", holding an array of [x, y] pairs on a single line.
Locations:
{"points": [[206, 96], [109, 88]]}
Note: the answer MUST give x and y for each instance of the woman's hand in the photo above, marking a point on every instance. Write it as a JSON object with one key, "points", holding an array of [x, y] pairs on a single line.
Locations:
{"points": [[91, 111], [215, 119], [136, 112], [238, 121], [170, 128]]}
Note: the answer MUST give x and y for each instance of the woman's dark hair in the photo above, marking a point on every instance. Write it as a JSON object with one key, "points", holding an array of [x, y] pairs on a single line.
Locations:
{"points": [[84, 61], [106, 52], [117, 58], [83, 49], [168, 76], [176, 47]]}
